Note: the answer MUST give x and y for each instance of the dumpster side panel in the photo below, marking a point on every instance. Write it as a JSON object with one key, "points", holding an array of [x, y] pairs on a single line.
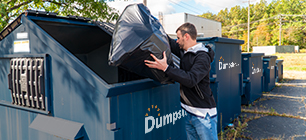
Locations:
{"points": [[272, 66], [252, 72], [256, 74], [272, 74], [223, 86], [267, 77], [235, 72], [279, 64], [269, 66], [77, 93], [5, 93], [281, 71], [14, 123], [76, 89], [228, 68], [149, 114], [246, 65]]}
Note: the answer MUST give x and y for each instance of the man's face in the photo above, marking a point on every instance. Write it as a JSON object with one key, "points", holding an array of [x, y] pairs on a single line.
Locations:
{"points": [[180, 39]]}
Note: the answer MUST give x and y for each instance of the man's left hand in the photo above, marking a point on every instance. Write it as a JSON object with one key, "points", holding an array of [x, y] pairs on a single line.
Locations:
{"points": [[160, 64]]}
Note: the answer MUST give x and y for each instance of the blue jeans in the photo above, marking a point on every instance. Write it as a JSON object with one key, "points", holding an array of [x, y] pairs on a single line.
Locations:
{"points": [[200, 128]]}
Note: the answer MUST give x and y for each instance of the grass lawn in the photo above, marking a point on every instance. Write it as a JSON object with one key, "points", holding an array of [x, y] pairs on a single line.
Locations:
{"points": [[293, 61]]}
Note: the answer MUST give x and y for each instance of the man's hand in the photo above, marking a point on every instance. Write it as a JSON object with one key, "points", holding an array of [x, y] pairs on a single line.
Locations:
{"points": [[160, 64]]}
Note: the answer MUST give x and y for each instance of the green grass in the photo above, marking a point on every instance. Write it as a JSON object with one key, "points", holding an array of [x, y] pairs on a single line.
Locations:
{"points": [[295, 68], [293, 61]]}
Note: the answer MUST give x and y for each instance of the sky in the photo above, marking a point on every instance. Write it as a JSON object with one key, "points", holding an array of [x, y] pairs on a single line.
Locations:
{"points": [[195, 7]]}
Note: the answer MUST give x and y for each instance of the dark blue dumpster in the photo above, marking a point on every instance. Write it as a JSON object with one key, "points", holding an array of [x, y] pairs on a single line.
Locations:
{"points": [[280, 70], [226, 77], [252, 76], [269, 72], [56, 83]]}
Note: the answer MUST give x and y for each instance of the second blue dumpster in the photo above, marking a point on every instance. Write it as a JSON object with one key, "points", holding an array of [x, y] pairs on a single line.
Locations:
{"points": [[252, 76], [269, 72], [226, 77]]}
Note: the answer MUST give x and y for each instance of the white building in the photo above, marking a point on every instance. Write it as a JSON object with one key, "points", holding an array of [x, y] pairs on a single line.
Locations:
{"points": [[205, 27], [269, 50]]}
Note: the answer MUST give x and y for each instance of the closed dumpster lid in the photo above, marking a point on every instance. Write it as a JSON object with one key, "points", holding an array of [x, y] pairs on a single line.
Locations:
{"points": [[270, 57], [252, 54], [279, 60], [221, 39]]}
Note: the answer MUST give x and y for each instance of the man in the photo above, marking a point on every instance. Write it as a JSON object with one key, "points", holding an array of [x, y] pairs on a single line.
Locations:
{"points": [[193, 76]]}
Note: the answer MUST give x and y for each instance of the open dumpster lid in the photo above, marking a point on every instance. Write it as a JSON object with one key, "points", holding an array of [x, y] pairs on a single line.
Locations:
{"points": [[69, 41]]}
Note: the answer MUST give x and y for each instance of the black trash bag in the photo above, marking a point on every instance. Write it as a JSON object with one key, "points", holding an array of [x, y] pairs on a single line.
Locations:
{"points": [[138, 34]]}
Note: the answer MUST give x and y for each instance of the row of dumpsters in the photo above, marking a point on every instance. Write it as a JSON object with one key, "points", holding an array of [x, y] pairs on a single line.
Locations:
{"points": [[56, 84]]}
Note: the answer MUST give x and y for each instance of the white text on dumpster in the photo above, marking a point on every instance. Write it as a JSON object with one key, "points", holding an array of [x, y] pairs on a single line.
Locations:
{"points": [[163, 120], [224, 66], [255, 70]]}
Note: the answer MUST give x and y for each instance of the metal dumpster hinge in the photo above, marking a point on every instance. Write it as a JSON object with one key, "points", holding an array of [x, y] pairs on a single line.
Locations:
{"points": [[111, 126]]}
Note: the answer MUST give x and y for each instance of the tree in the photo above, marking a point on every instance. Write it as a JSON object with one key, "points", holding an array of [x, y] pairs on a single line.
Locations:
{"points": [[94, 9], [209, 15], [265, 22], [262, 35]]}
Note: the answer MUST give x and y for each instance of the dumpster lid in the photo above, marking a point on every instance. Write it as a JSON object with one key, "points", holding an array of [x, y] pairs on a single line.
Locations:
{"points": [[279, 60], [270, 57], [221, 40], [10, 27], [15, 23], [252, 54]]}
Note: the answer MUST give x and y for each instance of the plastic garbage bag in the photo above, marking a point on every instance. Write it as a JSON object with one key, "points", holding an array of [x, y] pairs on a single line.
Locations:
{"points": [[137, 34]]}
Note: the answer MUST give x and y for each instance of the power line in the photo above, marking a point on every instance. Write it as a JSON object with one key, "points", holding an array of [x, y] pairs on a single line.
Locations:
{"points": [[214, 4], [191, 6], [182, 6], [244, 24], [293, 15], [195, 7], [239, 30], [274, 17]]}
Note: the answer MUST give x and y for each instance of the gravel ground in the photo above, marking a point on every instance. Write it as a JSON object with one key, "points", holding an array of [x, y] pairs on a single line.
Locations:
{"points": [[286, 99]]}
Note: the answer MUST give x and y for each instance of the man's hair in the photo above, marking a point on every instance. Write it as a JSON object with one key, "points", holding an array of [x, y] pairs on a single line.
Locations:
{"points": [[188, 28]]}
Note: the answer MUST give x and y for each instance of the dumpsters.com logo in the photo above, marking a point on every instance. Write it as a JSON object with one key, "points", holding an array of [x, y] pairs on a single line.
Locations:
{"points": [[255, 70], [224, 66], [161, 121]]}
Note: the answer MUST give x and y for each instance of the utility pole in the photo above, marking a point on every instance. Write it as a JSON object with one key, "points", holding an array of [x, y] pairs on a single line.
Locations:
{"points": [[160, 17], [249, 2], [145, 2], [248, 26], [280, 30]]}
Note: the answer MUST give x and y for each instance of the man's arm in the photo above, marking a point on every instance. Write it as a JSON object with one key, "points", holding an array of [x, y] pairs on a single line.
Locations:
{"points": [[198, 71]]}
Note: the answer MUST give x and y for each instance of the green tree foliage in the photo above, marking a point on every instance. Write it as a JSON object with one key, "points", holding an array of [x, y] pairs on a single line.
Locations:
{"points": [[265, 22], [94, 9]]}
